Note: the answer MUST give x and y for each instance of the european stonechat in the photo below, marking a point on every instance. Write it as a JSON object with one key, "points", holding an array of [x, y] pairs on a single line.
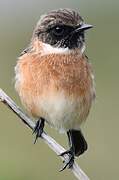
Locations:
{"points": [[54, 77]]}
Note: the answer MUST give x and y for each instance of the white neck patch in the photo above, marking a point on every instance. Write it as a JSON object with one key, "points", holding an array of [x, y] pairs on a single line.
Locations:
{"points": [[48, 49]]}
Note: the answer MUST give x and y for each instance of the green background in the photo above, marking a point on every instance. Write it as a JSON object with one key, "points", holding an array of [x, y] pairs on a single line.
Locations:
{"points": [[19, 158]]}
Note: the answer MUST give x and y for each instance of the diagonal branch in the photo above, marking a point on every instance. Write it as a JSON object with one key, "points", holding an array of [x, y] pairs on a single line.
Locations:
{"points": [[57, 148]]}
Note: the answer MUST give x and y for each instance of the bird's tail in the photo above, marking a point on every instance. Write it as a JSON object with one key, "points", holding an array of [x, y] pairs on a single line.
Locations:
{"points": [[79, 142]]}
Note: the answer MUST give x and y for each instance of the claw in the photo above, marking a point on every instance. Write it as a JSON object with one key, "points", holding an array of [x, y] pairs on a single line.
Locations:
{"points": [[38, 130], [67, 163], [36, 127], [65, 152]]}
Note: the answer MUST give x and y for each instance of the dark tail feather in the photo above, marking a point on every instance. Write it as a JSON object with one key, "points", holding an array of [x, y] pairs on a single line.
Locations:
{"points": [[78, 141]]}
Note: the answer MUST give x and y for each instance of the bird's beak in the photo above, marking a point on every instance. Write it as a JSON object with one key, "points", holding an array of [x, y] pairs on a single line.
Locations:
{"points": [[83, 27]]}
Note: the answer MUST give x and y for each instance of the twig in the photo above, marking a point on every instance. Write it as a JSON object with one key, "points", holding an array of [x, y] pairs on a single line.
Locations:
{"points": [[57, 148]]}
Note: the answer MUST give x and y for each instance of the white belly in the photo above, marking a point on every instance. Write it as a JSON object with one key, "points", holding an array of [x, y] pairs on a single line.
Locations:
{"points": [[62, 112]]}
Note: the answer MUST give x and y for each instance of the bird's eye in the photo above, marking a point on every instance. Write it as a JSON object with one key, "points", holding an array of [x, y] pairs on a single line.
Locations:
{"points": [[58, 31]]}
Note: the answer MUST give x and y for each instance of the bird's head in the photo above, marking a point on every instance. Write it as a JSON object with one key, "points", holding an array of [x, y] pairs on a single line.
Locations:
{"points": [[63, 28]]}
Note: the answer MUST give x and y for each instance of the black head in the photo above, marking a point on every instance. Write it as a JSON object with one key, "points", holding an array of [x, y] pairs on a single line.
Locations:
{"points": [[61, 28]]}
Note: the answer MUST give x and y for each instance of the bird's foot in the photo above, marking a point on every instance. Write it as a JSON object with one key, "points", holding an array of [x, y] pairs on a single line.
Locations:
{"points": [[38, 130], [68, 163]]}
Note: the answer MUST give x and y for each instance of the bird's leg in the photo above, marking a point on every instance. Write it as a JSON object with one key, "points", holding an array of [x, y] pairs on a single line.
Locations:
{"points": [[78, 146], [38, 130], [70, 153]]}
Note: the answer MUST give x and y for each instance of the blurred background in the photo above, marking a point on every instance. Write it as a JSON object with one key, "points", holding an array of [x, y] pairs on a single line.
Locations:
{"points": [[19, 158]]}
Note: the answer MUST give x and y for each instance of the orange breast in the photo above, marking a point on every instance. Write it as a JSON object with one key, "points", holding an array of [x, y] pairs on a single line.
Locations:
{"points": [[38, 77]]}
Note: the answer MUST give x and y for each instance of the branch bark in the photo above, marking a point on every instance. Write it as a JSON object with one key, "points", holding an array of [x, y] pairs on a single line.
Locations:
{"points": [[57, 148]]}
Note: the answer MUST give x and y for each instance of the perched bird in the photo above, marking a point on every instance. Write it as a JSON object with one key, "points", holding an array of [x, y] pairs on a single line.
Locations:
{"points": [[54, 77]]}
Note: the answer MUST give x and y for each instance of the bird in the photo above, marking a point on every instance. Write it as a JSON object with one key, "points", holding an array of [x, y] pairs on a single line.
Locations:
{"points": [[54, 78]]}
